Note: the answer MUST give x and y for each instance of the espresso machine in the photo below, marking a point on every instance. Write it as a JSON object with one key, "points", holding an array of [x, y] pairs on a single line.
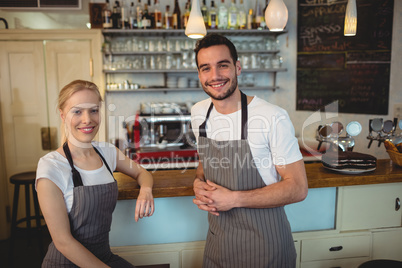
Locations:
{"points": [[381, 130], [331, 133], [161, 136]]}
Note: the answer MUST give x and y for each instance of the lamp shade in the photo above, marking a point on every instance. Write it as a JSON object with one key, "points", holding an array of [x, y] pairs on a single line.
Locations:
{"points": [[276, 15], [350, 19], [195, 27]]}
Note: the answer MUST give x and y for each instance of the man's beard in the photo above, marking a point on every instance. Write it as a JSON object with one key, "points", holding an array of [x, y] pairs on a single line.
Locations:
{"points": [[226, 94]]}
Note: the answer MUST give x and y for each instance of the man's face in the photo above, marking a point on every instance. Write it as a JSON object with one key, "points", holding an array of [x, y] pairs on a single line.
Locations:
{"points": [[217, 72]]}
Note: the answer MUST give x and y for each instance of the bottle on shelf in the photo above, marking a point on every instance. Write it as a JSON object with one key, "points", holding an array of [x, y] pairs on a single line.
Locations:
{"points": [[116, 15], [151, 14], [222, 16], [186, 14], [213, 16], [168, 19], [233, 16], [139, 9], [176, 15], [124, 16], [250, 19], [204, 12], [146, 18], [132, 17], [242, 16], [263, 24], [107, 16], [259, 16], [158, 15]]}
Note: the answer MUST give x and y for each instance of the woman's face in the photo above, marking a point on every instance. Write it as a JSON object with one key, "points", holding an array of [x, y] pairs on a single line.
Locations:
{"points": [[81, 117]]}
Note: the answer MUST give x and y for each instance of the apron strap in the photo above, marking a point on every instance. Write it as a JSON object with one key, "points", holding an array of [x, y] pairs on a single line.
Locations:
{"points": [[76, 175], [104, 161], [202, 130], [244, 118]]}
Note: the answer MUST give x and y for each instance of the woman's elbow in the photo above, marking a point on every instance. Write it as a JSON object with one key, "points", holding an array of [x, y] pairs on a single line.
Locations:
{"points": [[62, 244]]}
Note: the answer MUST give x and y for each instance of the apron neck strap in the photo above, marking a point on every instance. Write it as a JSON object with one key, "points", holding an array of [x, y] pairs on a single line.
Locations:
{"points": [[244, 117], [76, 175], [104, 161]]}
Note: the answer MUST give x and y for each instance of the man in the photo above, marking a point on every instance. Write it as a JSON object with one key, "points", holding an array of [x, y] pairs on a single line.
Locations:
{"points": [[250, 166]]}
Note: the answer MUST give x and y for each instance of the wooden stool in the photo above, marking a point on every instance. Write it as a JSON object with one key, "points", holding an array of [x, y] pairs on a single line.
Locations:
{"points": [[27, 179], [381, 264]]}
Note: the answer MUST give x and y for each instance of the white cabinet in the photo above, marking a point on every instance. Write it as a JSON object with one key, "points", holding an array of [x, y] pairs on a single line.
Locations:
{"points": [[387, 244], [369, 206], [337, 247], [340, 263], [23, 92], [368, 227], [192, 258]]}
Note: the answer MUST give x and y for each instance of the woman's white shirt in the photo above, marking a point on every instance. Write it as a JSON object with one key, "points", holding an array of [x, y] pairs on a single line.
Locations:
{"points": [[55, 167]]}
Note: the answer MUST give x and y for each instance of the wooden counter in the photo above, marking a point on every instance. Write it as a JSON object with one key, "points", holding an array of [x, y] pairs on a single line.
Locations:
{"points": [[171, 183]]}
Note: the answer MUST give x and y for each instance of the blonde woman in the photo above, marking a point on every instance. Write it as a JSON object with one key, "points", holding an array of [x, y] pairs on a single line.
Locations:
{"points": [[76, 189]]}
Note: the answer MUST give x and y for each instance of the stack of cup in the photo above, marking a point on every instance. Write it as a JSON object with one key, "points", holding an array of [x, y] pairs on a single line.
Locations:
{"points": [[182, 82], [171, 81]]}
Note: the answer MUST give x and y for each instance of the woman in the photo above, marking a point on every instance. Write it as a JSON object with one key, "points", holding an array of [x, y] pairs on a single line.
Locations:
{"points": [[76, 189]]}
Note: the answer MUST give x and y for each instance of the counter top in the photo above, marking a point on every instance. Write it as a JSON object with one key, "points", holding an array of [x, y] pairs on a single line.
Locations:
{"points": [[172, 183]]}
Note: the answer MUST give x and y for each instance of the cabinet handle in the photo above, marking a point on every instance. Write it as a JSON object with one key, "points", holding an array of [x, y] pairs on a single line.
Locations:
{"points": [[338, 248], [397, 204]]}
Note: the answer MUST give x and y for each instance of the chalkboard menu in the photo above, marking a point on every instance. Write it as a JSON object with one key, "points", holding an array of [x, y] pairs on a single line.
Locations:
{"points": [[353, 70]]}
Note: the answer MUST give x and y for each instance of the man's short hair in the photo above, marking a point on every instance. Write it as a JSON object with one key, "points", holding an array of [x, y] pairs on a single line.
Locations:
{"points": [[215, 40]]}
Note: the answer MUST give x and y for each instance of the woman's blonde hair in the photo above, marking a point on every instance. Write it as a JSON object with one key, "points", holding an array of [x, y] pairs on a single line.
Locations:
{"points": [[67, 91], [75, 86]]}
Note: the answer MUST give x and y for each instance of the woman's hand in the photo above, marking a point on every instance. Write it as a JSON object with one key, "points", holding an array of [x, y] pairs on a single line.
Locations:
{"points": [[145, 201], [145, 206]]}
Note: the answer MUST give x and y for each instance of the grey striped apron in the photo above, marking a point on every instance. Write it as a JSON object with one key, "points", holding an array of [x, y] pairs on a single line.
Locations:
{"points": [[90, 220], [242, 237]]}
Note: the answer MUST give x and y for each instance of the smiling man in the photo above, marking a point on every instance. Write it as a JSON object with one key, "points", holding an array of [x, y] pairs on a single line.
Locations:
{"points": [[250, 166]]}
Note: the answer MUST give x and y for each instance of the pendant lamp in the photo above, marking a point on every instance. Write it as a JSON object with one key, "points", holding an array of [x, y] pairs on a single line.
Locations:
{"points": [[350, 19], [195, 27], [276, 15]]}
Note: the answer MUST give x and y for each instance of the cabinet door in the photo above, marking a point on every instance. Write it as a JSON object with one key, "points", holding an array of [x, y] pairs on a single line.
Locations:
{"points": [[339, 247], [387, 244], [23, 103], [340, 263], [65, 61], [192, 258], [29, 91], [369, 206]]}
